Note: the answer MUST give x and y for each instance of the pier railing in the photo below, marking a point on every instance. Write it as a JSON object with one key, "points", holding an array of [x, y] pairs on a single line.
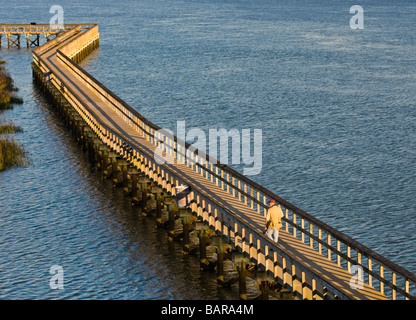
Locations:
{"points": [[38, 28], [82, 41], [54, 42], [380, 273]]}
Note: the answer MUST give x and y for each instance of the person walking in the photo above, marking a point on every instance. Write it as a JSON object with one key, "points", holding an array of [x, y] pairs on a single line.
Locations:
{"points": [[273, 220]]}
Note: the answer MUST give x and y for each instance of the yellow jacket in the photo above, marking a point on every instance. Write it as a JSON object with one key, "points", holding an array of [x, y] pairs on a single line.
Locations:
{"points": [[274, 215]]}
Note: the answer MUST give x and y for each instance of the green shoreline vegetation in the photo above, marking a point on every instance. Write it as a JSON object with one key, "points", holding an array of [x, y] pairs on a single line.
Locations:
{"points": [[12, 154]]}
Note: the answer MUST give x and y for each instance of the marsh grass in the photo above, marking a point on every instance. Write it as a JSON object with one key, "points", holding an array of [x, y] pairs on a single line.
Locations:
{"points": [[7, 89], [9, 128], [12, 154]]}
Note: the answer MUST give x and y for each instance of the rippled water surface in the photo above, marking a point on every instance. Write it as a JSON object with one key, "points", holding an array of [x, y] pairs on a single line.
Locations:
{"points": [[336, 106]]}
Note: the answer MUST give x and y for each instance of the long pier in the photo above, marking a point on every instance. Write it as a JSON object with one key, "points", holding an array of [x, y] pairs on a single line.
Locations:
{"points": [[32, 32], [311, 259]]}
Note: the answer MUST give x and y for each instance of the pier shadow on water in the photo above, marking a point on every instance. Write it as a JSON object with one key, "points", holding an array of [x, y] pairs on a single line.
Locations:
{"points": [[115, 251]]}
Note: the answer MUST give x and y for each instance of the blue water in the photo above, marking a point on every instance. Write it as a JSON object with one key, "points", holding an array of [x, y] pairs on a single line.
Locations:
{"points": [[336, 107]]}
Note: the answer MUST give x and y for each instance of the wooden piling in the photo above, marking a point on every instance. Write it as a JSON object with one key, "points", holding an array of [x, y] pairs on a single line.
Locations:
{"points": [[143, 180], [11, 42], [186, 243], [171, 226], [242, 284], [168, 202], [264, 288], [220, 266], [91, 136], [187, 221], [158, 209], [122, 180], [102, 157], [203, 250], [112, 165], [133, 173], [30, 42]]}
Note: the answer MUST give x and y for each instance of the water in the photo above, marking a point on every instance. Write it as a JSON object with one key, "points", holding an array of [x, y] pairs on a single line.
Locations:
{"points": [[336, 106]]}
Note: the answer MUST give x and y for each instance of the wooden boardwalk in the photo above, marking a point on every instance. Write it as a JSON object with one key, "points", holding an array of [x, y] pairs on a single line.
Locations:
{"points": [[308, 256]]}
